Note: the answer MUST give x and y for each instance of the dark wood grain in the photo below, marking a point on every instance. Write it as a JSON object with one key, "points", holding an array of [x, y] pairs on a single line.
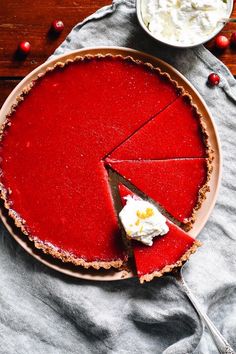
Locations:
{"points": [[228, 56], [6, 86], [30, 20]]}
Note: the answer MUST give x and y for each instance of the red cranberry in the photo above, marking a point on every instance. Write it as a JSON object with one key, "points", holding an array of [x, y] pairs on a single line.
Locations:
{"points": [[57, 26], [24, 47], [233, 39], [221, 42], [213, 79]]}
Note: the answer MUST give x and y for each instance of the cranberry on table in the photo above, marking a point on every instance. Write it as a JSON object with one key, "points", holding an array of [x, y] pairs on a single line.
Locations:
{"points": [[213, 79], [24, 47], [221, 42], [57, 26], [233, 39]]}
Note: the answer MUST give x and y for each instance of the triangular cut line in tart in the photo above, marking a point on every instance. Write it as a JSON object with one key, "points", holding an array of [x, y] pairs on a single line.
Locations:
{"points": [[178, 131], [167, 252], [116, 149], [45, 174], [179, 185], [116, 180], [47, 193]]}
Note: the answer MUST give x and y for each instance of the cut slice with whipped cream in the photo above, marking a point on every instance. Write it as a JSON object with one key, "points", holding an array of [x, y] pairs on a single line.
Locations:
{"points": [[183, 22], [142, 221]]}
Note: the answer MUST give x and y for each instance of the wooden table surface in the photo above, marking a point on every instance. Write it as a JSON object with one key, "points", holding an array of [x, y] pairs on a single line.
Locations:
{"points": [[30, 20]]}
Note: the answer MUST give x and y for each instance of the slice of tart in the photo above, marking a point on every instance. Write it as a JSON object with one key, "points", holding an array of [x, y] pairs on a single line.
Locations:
{"points": [[177, 132], [53, 179], [167, 252], [179, 186]]}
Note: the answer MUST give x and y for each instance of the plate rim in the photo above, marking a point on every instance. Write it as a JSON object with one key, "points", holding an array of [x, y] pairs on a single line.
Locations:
{"points": [[91, 274]]}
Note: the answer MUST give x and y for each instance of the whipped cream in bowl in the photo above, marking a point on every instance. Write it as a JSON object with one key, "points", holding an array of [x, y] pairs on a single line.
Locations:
{"points": [[183, 23]]}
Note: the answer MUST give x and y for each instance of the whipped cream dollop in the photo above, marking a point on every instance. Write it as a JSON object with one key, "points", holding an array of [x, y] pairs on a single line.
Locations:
{"points": [[183, 22], [142, 221]]}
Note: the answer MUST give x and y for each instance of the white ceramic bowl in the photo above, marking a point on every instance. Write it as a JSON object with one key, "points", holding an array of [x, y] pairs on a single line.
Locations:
{"points": [[230, 4]]}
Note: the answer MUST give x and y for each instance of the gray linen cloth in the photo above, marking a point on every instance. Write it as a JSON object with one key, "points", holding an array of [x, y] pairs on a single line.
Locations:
{"points": [[42, 311]]}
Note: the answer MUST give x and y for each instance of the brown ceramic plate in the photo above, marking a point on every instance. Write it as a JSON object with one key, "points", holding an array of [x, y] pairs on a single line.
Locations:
{"points": [[202, 215]]}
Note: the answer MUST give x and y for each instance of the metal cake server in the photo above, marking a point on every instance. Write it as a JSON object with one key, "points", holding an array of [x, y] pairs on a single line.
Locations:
{"points": [[221, 343]]}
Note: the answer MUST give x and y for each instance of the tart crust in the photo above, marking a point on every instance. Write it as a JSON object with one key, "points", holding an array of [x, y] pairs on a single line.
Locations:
{"points": [[169, 268], [205, 136], [188, 223], [50, 249], [66, 256]]}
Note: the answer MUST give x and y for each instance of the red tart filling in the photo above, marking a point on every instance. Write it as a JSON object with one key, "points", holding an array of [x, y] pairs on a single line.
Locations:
{"points": [[56, 139], [167, 252], [174, 184], [177, 132]]}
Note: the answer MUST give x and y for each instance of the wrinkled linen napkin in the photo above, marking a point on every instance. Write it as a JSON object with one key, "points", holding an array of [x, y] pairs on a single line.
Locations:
{"points": [[42, 311]]}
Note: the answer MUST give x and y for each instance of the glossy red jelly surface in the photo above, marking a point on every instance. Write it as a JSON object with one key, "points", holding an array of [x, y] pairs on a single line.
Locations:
{"points": [[174, 133], [174, 184], [124, 192], [52, 152], [166, 250]]}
